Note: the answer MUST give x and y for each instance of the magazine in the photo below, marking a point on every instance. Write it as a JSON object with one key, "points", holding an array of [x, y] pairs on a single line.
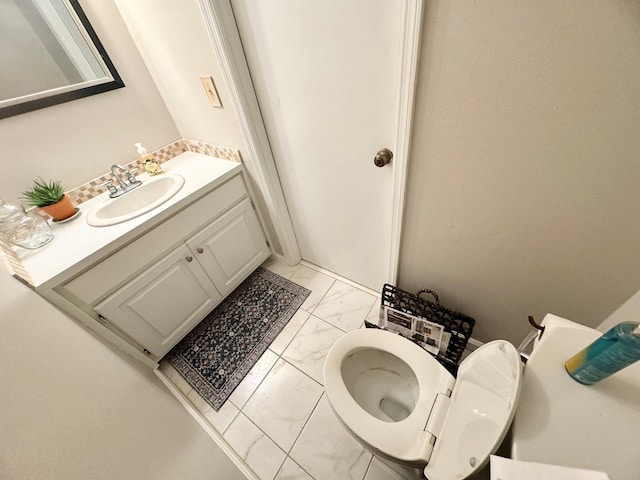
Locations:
{"points": [[426, 334]]}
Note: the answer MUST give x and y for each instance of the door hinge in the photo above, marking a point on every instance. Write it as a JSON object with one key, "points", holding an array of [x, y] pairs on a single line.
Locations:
{"points": [[268, 244], [103, 319], [253, 205], [146, 352]]}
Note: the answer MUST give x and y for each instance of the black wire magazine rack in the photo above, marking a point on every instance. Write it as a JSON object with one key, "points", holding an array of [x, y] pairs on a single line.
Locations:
{"points": [[458, 325]]}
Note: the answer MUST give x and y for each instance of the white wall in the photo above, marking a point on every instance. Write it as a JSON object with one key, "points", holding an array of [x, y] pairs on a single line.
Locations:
{"points": [[174, 43], [524, 177], [74, 409], [78, 141]]}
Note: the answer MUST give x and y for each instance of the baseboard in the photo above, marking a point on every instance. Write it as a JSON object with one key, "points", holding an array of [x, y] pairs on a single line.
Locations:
{"points": [[279, 258], [338, 277], [473, 343], [229, 452]]}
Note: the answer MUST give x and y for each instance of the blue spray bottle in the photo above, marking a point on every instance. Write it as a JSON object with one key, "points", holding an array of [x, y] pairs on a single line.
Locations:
{"points": [[613, 351]]}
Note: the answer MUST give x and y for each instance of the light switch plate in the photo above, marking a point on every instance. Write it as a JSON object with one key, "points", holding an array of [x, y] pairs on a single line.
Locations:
{"points": [[210, 89]]}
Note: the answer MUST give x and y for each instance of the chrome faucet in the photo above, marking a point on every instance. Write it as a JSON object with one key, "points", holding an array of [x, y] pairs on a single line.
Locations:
{"points": [[120, 174], [114, 172]]}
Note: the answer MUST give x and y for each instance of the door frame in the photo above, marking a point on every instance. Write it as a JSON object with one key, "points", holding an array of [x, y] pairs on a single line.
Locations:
{"points": [[225, 37]]}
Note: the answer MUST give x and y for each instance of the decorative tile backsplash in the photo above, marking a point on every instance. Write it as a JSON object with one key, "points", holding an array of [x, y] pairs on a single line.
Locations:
{"points": [[92, 189], [14, 263], [225, 153]]}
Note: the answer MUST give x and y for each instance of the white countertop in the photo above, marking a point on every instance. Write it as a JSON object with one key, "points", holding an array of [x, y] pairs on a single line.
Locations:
{"points": [[561, 422], [76, 245]]}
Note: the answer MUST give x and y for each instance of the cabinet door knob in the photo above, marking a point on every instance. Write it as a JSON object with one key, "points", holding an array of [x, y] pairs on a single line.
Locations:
{"points": [[189, 258], [200, 250]]}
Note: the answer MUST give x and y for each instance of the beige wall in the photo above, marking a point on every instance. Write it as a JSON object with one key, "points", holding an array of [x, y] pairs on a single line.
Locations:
{"points": [[524, 181], [175, 44], [77, 141], [629, 311], [74, 409], [72, 406]]}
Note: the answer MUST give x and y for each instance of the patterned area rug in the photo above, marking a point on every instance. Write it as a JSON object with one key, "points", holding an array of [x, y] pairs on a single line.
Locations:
{"points": [[216, 355]]}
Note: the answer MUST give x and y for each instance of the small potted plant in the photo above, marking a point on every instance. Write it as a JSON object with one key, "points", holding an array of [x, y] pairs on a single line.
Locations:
{"points": [[50, 197]]}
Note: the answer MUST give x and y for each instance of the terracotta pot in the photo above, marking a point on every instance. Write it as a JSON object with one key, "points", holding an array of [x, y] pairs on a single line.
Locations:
{"points": [[61, 210]]}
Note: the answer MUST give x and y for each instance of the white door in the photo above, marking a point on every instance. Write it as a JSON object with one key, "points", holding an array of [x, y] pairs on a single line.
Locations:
{"points": [[326, 75]]}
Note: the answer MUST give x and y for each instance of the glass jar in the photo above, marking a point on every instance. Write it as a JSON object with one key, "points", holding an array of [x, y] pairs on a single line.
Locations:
{"points": [[24, 229]]}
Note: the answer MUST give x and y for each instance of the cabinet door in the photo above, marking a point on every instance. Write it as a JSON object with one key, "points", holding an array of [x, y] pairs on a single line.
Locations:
{"points": [[231, 247], [162, 304]]}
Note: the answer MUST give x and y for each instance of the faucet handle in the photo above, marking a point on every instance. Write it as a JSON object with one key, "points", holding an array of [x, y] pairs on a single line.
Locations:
{"points": [[109, 185], [130, 173], [131, 178]]}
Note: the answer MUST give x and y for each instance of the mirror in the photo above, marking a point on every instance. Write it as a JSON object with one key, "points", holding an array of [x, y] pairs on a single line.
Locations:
{"points": [[49, 54]]}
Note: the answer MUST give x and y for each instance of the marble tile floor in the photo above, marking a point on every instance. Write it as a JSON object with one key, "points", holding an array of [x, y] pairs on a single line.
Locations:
{"points": [[278, 419]]}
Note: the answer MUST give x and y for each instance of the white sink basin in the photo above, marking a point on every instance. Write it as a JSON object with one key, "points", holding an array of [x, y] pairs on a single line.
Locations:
{"points": [[151, 194]]}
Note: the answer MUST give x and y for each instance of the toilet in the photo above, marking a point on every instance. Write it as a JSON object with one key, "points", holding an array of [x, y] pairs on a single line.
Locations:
{"points": [[406, 408]]}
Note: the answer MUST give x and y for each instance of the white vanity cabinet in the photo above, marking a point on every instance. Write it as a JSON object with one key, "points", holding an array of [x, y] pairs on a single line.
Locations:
{"points": [[160, 305], [163, 303], [157, 288], [230, 247]]}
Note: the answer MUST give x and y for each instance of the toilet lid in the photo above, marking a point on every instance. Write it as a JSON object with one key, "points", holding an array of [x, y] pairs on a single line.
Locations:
{"points": [[481, 409]]}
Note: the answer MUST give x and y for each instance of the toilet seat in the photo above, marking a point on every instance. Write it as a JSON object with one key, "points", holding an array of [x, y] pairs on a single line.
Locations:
{"points": [[405, 440], [466, 427]]}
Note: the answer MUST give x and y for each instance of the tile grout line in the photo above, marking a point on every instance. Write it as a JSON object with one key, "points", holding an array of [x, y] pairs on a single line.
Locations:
{"points": [[280, 469], [294, 442], [286, 452], [204, 414], [271, 368], [280, 356], [257, 386], [321, 298], [313, 267], [335, 326], [302, 430], [306, 422], [240, 410], [294, 335], [366, 472], [232, 420], [311, 312], [304, 373], [269, 438], [231, 453]]}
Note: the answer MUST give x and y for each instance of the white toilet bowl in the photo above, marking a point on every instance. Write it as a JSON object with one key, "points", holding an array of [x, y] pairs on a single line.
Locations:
{"points": [[405, 407]]}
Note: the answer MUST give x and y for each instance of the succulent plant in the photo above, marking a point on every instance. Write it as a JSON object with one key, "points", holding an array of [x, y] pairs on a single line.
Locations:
{"points": [[43, 193]]}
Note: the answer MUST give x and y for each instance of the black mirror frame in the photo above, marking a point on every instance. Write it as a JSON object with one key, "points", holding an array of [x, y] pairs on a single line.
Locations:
{"points": [[36, 104]]}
